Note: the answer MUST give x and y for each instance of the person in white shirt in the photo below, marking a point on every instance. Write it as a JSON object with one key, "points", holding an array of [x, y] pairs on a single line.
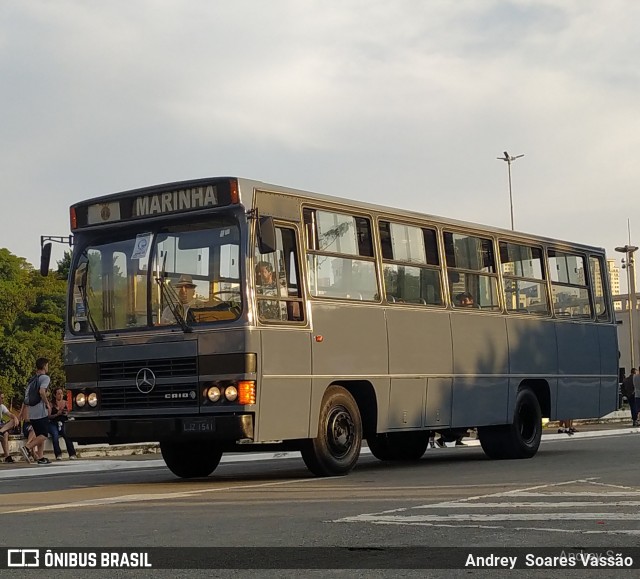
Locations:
{"points": [[9, 422]]}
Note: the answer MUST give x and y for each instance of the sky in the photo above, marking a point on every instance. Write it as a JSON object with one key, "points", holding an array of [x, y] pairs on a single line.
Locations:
{"points": [[405, 103]]}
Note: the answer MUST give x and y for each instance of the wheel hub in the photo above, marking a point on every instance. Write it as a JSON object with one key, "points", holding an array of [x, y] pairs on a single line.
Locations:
{"points": [[340, 432]]}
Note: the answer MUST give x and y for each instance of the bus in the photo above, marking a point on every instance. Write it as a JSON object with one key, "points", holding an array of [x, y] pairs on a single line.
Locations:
{"points": [[227, 315]]}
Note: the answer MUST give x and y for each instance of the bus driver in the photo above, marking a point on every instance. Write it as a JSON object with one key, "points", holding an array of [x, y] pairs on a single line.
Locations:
{"points": [[186, 294]]}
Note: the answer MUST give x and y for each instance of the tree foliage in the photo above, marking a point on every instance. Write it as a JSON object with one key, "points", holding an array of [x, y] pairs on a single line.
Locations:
{"points": [[32, 311]]}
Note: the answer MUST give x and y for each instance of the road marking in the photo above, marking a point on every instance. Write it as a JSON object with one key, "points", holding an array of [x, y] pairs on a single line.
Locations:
{"points": [[410, 519], [419, 516], [150, 497], [533, 504]]}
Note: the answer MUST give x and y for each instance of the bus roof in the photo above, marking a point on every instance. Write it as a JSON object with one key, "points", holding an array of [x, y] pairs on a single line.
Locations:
{"points": [[247, 187]]}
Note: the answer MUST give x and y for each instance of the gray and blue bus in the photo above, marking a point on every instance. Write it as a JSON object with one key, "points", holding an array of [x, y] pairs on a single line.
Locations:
{"points": [[377, 324]]}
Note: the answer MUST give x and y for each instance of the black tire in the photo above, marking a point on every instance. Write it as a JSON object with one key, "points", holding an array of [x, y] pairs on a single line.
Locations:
{"points": [[520, 439], [399, 445], [336, 449], [190, 459]]}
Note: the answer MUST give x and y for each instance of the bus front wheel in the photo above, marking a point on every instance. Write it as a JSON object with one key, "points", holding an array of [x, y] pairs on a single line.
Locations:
{"points": [[336, 449], [399, 445], [520, 439], [190, 459]]}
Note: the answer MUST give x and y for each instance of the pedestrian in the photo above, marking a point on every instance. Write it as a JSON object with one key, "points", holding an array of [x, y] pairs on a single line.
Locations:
{"points": [[636, 385], [566, 427], [38, 415], [57, 420], [8, 422], [629, 392]]}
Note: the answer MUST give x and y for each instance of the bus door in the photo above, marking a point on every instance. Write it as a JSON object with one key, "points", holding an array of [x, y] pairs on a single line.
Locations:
{"points": [[285, 350]]}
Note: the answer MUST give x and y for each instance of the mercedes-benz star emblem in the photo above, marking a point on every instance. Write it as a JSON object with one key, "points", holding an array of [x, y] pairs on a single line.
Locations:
{"points": [[145, 380]]}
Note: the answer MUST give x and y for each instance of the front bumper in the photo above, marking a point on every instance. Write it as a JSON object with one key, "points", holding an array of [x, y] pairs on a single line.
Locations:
{"points": [[122, 430]]}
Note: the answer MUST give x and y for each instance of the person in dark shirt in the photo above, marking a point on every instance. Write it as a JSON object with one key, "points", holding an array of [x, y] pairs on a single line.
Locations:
{"points": [[629, 391]]}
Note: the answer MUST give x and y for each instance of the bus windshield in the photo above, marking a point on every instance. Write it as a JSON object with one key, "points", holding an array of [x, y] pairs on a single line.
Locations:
{"points": [[178, 275]]}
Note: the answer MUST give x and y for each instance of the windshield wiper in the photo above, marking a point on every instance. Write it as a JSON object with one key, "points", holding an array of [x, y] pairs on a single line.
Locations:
{"points": [[172, 300], [91, 322]]}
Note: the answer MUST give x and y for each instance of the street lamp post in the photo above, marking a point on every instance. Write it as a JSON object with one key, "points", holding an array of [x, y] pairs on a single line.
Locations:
{"points": [[629, 250], [509, 159]]}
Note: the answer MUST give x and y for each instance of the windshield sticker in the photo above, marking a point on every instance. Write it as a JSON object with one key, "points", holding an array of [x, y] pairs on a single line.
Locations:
{"points": [[143, 241]]}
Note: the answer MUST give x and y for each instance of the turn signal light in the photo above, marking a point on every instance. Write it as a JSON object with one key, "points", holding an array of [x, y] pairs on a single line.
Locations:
{"points": [[247, 392], [235, 194]]}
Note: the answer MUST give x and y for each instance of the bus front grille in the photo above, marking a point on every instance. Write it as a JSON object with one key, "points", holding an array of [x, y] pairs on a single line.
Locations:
{"points": [[162, 368], [162, 396]]}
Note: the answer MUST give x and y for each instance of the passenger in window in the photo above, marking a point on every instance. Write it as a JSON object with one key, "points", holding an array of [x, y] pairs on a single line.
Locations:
{"points": [[266, 285], [465, 300], [186, 294], [265, 279]]}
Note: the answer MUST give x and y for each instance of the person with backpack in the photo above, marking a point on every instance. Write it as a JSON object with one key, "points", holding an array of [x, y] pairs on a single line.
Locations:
{"points": [[37, 409]]}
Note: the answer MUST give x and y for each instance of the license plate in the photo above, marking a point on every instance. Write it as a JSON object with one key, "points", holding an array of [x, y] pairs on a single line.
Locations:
{"points": [[199, 425]]}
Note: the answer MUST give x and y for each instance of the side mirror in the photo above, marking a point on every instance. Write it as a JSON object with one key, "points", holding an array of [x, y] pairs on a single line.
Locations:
{"points": [[45, 259], [266, 235]]}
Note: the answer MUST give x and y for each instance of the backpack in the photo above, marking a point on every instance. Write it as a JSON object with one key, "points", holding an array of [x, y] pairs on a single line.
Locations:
{"points": [[32, 396]]}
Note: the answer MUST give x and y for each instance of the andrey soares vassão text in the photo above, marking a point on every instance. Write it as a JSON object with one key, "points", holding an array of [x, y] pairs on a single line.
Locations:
{"points": [[581, 559]]}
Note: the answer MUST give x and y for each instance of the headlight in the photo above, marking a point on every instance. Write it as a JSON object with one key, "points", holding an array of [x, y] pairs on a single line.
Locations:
{"points": [[231, 393], [92, 399], [213, 394], [81, 400]]}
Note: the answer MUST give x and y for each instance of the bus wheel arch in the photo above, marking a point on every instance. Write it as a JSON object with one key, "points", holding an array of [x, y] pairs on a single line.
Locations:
{"points": [[521, 438], [190, 459], [336, 448]]}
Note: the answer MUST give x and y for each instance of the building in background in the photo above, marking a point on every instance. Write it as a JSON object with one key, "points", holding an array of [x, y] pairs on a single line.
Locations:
{"points": [[614, 280]]}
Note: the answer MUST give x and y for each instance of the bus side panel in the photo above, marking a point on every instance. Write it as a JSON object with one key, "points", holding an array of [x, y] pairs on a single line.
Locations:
{"points": [[349, 342], [579, 370], [284, 394], [438, 409], [607, 336], [419, 347], [533, 353], [532, 347], [480, 365]]}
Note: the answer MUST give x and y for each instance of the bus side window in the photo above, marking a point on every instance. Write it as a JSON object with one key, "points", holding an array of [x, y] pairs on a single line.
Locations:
{"points": [[471, 270], [411, 269]]}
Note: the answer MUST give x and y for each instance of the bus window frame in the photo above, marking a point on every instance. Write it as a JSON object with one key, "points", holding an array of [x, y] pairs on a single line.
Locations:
{"points": [[300, 275], [311, 237], [586, 267], [426, 265], [543, 282], [497, 275]]}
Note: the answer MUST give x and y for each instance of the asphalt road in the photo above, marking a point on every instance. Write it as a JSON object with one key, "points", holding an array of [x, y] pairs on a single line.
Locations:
{"points": [[576, 493]]}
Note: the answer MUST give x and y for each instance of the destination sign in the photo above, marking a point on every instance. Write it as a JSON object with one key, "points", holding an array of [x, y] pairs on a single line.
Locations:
{"points": [[182, 200], [149, 203]]}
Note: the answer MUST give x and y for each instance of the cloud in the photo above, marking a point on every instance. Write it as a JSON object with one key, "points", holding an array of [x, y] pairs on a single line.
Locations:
{"points": [[404, 103]]}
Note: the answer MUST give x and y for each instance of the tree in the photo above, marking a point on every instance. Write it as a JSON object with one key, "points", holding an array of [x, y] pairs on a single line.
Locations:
{"points": [[64, 265], [32, 313]]}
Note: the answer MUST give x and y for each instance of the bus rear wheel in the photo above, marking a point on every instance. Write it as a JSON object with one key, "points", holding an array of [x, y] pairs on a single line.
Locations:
{"points": [[190, 459], [520, 439], [399, 445], [336, 449]]}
